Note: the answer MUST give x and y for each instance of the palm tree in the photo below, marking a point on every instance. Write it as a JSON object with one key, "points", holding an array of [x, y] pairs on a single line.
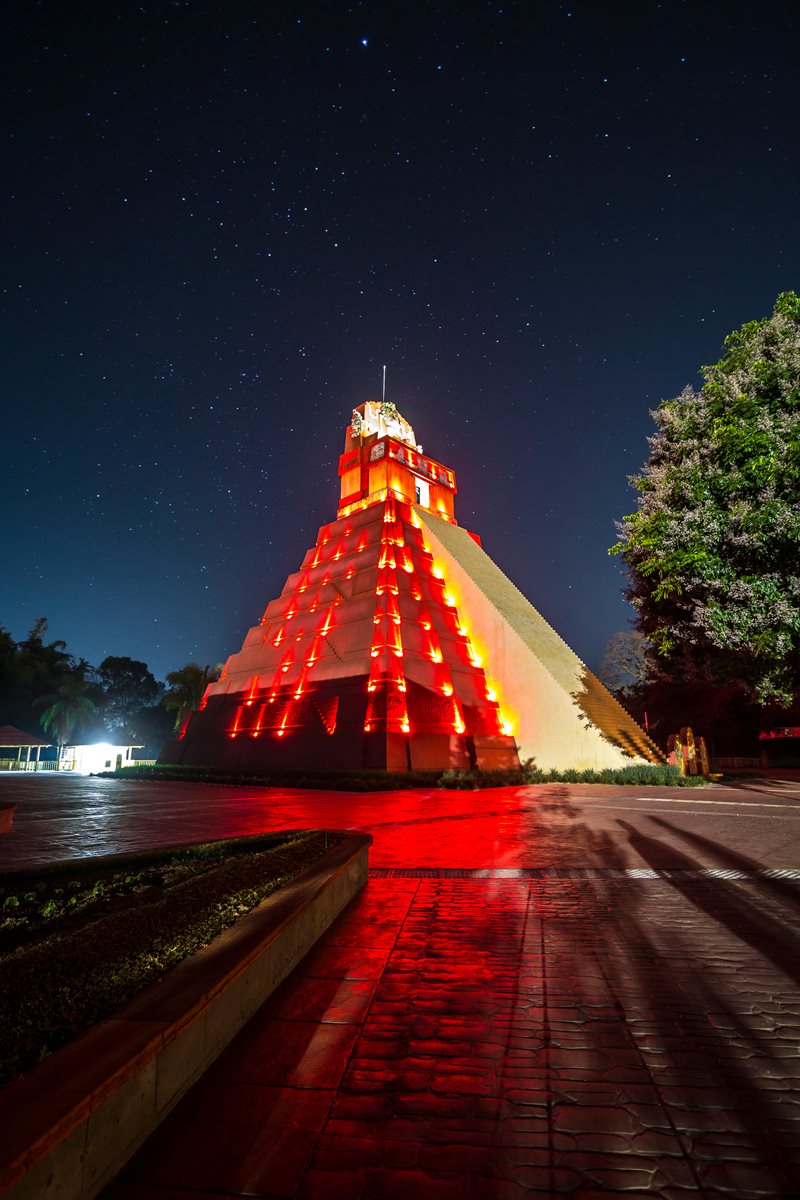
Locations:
{"points": [[186, 689], [67, 708]]}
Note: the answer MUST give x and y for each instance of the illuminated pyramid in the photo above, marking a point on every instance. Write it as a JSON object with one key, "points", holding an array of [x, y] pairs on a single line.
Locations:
{"points": [[399, 644]]}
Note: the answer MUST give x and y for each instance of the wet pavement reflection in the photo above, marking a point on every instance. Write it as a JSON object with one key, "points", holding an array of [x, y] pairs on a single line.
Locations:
{"points": [[62, 817], [540, 991]]}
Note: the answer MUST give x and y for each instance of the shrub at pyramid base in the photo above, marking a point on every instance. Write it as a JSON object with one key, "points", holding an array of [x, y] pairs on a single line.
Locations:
{"points": [[400, 645]]}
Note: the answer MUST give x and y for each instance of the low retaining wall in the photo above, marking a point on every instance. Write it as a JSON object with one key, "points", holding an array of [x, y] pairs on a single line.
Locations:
{"points": [[71, 1124]]}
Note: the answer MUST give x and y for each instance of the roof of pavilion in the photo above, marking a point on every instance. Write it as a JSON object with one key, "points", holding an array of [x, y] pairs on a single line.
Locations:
{"points": [[11, 737]]}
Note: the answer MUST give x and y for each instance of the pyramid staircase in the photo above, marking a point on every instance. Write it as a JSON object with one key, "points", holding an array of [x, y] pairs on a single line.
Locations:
{"points": [[364, 660]]}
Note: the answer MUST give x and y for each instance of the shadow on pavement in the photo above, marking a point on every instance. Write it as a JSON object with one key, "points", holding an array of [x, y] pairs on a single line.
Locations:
{"points": [[785, 888], [729, 1066], [726, 902]]}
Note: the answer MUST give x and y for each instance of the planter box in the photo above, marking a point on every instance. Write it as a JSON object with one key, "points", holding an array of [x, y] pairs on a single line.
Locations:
{"points": [[70, 1125]]}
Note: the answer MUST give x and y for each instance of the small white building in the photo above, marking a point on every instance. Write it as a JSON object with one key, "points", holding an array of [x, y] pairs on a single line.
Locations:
{"points": [[102, 756]]}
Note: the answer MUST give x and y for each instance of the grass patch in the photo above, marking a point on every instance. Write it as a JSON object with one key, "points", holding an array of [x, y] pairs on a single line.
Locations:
{"points": [[78, 940], [387, 781]]}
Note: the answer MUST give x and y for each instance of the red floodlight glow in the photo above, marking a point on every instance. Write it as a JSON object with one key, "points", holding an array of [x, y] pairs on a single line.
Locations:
{"points": [[235, 727], [385, 584]]}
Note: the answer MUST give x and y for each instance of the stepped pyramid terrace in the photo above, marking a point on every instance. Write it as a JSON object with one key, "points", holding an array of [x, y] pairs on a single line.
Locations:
{"points": [[399, 644]]}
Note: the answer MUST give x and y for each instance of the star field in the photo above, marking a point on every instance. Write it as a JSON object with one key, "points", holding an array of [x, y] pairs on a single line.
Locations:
{"points": [[221, 220]]}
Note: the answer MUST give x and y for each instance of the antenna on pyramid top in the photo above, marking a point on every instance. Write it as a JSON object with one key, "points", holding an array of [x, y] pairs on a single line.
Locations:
{"points": [[383, 393]]}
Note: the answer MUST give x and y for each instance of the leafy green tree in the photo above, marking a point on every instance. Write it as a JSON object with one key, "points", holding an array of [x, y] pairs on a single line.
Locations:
{"points": [[67, 709], [713, 551], [186, 688]]}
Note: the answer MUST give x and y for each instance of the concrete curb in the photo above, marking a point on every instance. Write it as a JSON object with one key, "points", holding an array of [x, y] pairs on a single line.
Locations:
{"points": [[72, 1123]]}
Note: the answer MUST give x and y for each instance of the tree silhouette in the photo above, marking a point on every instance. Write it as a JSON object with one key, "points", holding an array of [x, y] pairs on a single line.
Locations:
{"points": [[128, 686], [67, 708], [186, 689], [625, 666]]}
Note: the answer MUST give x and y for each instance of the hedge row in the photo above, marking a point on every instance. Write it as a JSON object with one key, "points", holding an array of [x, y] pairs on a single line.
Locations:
{"points": [[652, 775], [385, 781]]}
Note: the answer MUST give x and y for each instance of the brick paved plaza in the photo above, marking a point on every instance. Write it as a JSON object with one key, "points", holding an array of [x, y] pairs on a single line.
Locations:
{"points": [[549, 990]]}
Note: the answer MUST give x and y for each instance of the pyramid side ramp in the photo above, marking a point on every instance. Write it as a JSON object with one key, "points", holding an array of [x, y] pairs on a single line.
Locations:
{"points": [[563, 716]]}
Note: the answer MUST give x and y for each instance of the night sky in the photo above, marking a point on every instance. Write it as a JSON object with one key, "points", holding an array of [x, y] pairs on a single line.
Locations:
{"points": [[220, 220]]}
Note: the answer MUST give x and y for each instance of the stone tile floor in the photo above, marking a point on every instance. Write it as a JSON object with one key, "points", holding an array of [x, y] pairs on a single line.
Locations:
{"points": [[538, 992], [506, 1038]]}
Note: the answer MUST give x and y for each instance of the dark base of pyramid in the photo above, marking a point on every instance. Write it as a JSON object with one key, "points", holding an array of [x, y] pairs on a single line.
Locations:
{"points": [[233, 735]]}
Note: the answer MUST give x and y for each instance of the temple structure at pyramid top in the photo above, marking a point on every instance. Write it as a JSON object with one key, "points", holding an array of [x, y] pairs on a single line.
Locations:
{"points": [[382, 459], [399, 644]]}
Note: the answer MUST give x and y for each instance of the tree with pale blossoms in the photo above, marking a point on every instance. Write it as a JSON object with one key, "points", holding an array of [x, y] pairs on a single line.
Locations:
{"points": [[713, 549]]}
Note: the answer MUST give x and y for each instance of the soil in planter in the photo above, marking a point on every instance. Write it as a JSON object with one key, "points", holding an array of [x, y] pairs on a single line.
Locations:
{"points": [[80, 939]]}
